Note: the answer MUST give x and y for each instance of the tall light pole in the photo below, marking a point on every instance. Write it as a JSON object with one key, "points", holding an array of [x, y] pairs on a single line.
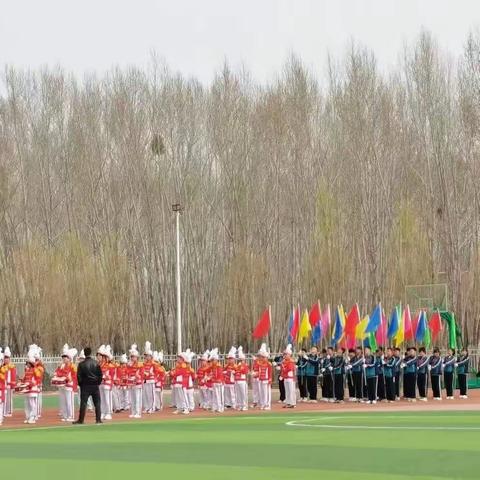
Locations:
{"points": [[177, 208]]}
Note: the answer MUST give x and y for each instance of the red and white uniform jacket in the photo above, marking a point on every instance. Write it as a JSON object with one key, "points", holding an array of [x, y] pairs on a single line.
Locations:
{"points": [[265, 371], [108, 374], [69, 373], [287, 370], [255, 369], [149, 371], [208, 376], [160, 375], [41, 372], [241, 372], [3, 384], [10, 374], [229, 374], [134, 374], [121, 376], [216, 374], [32, 379], [202, 376]]}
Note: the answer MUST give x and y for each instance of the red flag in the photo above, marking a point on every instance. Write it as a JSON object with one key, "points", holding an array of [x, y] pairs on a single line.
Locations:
{"points": [[353, 318], [409, 333], [435, 324], [314, 315], [296, 324], [263, 325], [381, 333]]}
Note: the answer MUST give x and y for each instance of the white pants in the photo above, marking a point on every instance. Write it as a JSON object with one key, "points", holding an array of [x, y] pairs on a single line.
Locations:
{"points": [[173, 400], [204, 397], [241, 394], [31, 406], [66, 398], [264, 394], [190, 398], [158, 398], [180, 399], [149, 397], [229, 396], [136, 400], [290, 392], [217, 398], [8, 403], [39, 403], [105, 400], [255, 393]]}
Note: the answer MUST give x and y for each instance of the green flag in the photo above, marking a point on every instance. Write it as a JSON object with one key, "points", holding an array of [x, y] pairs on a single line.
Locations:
{"points": [[427, 339], [372, 341], [454, 333]]}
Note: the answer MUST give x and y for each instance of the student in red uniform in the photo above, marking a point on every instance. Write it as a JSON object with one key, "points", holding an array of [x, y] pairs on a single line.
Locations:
{"points": [[288, 374], [121, 401], [179, 375], [65, 378], [241, 381], [188, 381], [217, 378], [229, 379], [264, 375], [255, 384], [135, 382], [202, 381], [148, 398], [160, 376], [29, 385], [10, 381], [108, 374]]}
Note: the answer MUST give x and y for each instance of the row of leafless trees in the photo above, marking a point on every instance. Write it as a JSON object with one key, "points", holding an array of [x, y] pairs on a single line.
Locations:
{"points": [[345, 191]]}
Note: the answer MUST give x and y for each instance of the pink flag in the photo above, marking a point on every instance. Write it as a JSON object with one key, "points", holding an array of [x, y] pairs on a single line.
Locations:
{"points": [[409, 333], [381, 333], [326, 322]]}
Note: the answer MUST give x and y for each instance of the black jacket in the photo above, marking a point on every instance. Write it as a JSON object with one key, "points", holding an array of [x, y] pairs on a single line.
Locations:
{"points": [[89, 373]]}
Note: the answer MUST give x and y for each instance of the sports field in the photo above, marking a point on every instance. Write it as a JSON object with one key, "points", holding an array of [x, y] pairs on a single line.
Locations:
{"points": [[364, 445]]}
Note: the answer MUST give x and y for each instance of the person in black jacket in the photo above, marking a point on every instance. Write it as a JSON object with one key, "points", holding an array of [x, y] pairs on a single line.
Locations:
{"points": [[89, 377]]}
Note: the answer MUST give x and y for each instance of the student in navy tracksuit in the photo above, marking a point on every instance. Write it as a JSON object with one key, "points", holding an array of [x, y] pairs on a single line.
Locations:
{"points": [[348, 373], [327, 371], [339, 375], [357, 374], [462, 366], [389, 373], [409, 375], [435, 367], [379, 357], [396, 371], [277, 361], [311, 371], [449, 372], [423, 361], [370, 368], [301, 374]]}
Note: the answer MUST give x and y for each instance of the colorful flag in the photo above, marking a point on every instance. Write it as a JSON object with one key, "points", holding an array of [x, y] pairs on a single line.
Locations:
{"points": [[263, 326], [375, 319], [400, 335], [415, 321], [408, 330], [325, 321], [372, 341], [449, 318], [290, 326], [315, 314], [352, 320], [435, 324], [296, 324], [361, 327], [317, 333], [381, 333], [421, 327], [394, 323], [305, 327], [338, 326], [427, 339]]}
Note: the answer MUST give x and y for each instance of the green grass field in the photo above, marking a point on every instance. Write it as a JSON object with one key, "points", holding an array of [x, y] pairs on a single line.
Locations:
{"points": [[433, 445]]}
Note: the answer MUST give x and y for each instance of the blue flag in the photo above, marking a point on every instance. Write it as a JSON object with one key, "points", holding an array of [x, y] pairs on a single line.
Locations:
{"points": [[394, 323], [375, 320], [317, 333], [290, 325], [421, 327], [338, 329]]}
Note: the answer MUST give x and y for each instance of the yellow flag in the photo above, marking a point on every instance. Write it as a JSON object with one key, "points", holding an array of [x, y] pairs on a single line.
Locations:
{"points": [[305, 327], [400, 336], [361, 327]]}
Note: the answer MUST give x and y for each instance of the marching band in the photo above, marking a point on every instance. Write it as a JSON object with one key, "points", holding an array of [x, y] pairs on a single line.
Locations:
{"points": [[137, 386]]}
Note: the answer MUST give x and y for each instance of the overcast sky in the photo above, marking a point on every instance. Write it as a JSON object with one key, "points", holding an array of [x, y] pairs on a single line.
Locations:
{"points": [[195, 36]]}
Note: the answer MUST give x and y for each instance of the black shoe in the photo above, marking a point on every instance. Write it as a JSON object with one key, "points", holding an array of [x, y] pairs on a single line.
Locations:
{"points": [[99, 422], [77, 422]]}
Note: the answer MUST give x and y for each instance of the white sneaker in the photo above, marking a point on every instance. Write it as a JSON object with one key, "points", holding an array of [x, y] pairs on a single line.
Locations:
{"points": [[31, 421], [244, 409], [313, 401], [133, 416], [267, 408], [107, 417], [70, 420], [423, 399], [374, 402], [137, 416], [63, 420], [102, 416], [331, 400], [25, 421], [437, 398]]}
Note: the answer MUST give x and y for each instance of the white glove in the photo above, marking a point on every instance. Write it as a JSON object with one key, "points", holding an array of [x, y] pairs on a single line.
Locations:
{"points": [[323, 370], [274, 364], [280, 378], [278, 368], [328, 357], [305, 356], [364, 366], [348, 367], [402, 365], [363, 360], [330, 368], [429, 367], [456, 365]]}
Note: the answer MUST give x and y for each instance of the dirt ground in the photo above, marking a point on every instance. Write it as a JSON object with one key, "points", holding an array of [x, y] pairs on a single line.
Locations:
{"points": [[50, 416]]}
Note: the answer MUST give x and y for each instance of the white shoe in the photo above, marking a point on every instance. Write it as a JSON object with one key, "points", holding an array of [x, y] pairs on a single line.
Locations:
{"points": [[423, 399], [107, 417], [102, 416], [137, 416], [31, 421], [244, 409], [464, 397], [313, 401], [331, 400], [437, 398], [25, 421], [413, 400], [70, 420], [374, 402], [267, 408], [176, 412], [63, 419], [133, 416], [186, 412]]}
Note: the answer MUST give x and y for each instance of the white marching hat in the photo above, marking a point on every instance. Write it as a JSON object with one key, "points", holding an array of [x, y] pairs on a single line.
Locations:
{"points": [[101, 350], [205, 355], [133, 352], [108, 352], [123, 358], [232, 353], [7, 352], [213, 354], [241, 355], [160, 356], [263, 352], [81, 355], [148, 349], [288, 350]]}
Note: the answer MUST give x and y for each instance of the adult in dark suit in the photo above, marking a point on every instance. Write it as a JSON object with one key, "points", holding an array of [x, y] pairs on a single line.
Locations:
{"points": [[89, 376]]}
